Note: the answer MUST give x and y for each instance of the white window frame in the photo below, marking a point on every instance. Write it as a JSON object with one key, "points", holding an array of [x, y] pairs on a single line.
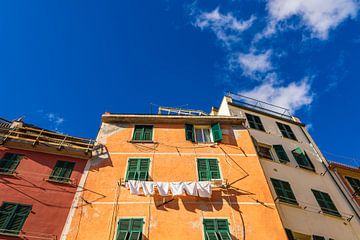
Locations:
{"points": [[202, 133]]}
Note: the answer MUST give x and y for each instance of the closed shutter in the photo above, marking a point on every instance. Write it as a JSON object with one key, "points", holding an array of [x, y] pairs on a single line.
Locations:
{"points": [[147, 135], [216, 229], [6, 212], [189, 132], [137, 133], [17, 221], [325, 203], [62, 171], [214, 168], [216, 132], [10, 162], [283, 191], [56, 173], [132, 169], [138, 169], [143, 167], [202, 170], [123, 229], [280, 152], [130, 229]]}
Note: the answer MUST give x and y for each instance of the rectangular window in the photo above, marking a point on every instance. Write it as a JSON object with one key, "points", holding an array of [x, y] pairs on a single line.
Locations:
{"points": [[325, 202], [265, 152], [208, 169], [286, 131], [12, 217], [216, 229], [315, 237], [283, 191], [130, 229], [303, 159], [355, 185], [9, 163], [202, 135], [138, 169], [281, 154], [254, 122], [62, 171], [143, 133], [189, 132]]}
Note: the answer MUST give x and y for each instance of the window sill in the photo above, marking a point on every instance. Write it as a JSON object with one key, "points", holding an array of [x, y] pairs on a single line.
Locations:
{"points": [[59, 182], [307, 169], [290, 204], [13, 174], [331, 214], [10, 234], [141, 141]]}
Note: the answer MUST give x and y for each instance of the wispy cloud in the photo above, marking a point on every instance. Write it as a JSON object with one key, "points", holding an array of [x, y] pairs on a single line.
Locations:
{"points": [[251, 63], [318, 16], [54, 119], [293, 96], [226, 27]]}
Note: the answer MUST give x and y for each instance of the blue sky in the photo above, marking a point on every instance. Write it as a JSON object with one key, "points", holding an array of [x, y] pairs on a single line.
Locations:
{"points": [[64, 63]]}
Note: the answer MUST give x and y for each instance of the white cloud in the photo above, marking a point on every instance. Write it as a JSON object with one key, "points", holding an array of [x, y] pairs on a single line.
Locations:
{"points": [[53, 118], [252, 63], [227, 28], [320, 16], [292, 96]]}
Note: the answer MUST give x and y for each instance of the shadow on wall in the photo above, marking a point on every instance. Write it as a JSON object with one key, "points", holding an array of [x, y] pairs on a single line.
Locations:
{"points": [[100, 158]]}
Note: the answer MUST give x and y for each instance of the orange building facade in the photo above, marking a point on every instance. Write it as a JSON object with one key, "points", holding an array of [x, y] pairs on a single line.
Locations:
{"points": [[174, 149]]}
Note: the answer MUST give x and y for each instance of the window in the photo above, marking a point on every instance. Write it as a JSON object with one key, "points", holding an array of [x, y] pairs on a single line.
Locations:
{"points": [[9, 163], [203, 134], [143, 133], [208, 169], [325, 202], [130, 229], [315, 237], [355, 185], [286, 131], [12, 217], [265, 152], [289, 234], [62, 171], [284, 191], [281, 154], [216, 229], [303, 159], [254, 122], [138, 169]]}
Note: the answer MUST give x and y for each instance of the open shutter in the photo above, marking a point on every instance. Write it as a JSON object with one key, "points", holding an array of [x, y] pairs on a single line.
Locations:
{"points": [[6, 212], [216, 132], [16, 223], [214, 168], [280, 152], [131, 173], [189, 132], [202, 170], [300, 157]]}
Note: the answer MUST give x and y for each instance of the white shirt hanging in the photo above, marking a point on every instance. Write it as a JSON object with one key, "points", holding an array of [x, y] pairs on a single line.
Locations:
{"points": [[134, 187], [177, 188], [204, 188], [148, 188], [190, 188], [163, 188]]}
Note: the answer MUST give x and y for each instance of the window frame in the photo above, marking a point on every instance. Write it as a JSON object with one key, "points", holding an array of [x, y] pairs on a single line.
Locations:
{"points": [[142, 133], [350, 182], [299, 153], [253, 123], [287, 131], [325, 209], [216, 229], [268, 147], [202, 127], [129, 230], [284, 199], [281, 154], [10, 218], [208, 171], [61, 178], [138, 168], [11, 163]]}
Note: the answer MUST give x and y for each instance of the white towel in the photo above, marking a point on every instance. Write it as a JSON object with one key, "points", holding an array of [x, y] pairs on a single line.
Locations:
{"points": [[163, 188], [148, 188], [134, 187], [190, 188], [204, 188], [177, 188]]}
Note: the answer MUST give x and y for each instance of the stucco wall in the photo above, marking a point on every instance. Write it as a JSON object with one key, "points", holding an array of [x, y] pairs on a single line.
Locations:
{"points": [[50, 201], [247, 203]]}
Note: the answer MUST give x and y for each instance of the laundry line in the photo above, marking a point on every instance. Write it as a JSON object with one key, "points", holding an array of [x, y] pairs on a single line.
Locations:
{"points": [[196, 188]]}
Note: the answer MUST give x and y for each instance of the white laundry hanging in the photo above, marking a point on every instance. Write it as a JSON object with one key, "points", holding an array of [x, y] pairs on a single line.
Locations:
{"points": [[177, 188], [134, 187], [148, 188], [163, 188], [190, 188], [204, 188]]}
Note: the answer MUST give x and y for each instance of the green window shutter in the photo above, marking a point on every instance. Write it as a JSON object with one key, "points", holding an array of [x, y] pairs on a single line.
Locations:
{"points": [[216, 132], [325, 203], [130, 229], [283, 191], [216, 229], [214, 169], [10, 162], [62, 171], [202, 170], [302, 159], [189, 132], [16, 223], [147, 135], [280, 152], [143, 133], [137, 133], [315, 237], [138, 169]]}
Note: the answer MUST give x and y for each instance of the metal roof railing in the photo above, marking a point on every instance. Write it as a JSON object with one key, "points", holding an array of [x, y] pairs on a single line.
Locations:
{"points": [[259, 105]]}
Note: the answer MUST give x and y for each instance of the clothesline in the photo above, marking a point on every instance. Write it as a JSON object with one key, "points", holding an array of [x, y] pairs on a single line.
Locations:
{"points": [[200, 188]]}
